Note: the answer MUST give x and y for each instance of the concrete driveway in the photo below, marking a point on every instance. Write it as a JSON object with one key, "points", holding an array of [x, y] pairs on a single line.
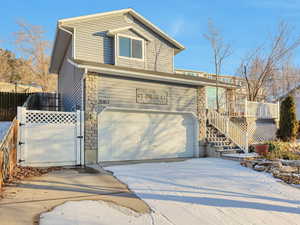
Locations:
{"points": [[26, 201], [212, 191]]}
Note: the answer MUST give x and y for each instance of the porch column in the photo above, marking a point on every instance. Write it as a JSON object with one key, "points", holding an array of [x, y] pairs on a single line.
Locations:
{"points": [[201, 113]]}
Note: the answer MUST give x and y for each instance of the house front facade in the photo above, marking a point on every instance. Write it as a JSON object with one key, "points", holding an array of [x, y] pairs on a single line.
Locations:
{"points": [[119, 69]]}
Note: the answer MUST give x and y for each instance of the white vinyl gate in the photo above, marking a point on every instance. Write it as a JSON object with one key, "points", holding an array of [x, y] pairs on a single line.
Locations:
{"points": [[50, 138]]}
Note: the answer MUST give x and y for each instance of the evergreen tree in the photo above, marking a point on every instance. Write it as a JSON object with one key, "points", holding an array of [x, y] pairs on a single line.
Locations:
{"points": [[288, 124]]}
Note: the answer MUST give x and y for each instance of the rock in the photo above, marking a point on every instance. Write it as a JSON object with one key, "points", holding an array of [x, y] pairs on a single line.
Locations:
{"points": [[274, 171], [277, 164], [249, 164], [243, 163], [288, 169], [259, 168]]}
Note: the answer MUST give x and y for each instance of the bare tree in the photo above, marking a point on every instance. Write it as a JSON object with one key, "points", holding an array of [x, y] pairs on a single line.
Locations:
{"points": [[30, 41], [221, 51], [262, 66]]}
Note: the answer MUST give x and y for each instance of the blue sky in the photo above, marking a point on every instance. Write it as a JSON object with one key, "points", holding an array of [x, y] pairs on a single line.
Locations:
{"points": [[243, 23]]}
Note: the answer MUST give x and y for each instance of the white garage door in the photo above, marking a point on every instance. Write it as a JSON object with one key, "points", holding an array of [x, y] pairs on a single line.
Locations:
{"points": [[144, 135]]}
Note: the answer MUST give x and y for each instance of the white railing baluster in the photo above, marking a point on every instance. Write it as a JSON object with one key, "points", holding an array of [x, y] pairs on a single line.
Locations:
{"points": [[236, 133], [259, 110]]}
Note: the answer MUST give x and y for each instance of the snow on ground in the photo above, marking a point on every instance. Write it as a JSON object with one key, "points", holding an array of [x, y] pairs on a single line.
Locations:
{"points": [[243, 155], [4, 126], [212, 191], [97, 213], [204, 191]]}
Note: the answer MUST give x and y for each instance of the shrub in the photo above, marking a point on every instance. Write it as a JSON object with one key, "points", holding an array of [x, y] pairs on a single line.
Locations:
{"points": [[298, 130], [288, 124], [282, 150]]}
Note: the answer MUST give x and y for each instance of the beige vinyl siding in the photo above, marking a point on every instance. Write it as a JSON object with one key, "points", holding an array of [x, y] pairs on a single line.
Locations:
{"points": [[70, 83], [122, 93], [92, 43]]}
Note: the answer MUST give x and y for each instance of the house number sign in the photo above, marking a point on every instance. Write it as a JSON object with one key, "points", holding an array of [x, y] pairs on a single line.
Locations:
{"points": [[151, 96]]}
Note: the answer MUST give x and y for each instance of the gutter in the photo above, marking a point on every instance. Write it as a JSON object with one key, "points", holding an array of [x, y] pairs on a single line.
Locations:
{"points": [[140, 75], [58, 27]]}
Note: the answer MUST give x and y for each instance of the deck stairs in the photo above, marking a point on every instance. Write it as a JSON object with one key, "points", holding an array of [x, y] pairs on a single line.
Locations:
{"points": [[224, 136], [220, 143]]}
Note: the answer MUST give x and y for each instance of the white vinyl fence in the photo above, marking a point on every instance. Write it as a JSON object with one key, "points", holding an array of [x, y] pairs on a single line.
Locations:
{"points": [[50, 138]]}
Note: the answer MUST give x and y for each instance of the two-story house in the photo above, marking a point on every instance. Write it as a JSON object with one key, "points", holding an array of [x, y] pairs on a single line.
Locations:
{"points": [[118, 68]]}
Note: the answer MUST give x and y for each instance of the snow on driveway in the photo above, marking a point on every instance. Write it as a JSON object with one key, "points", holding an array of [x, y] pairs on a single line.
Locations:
{"points": [[97, 213], [205, 191], [212, 191]]}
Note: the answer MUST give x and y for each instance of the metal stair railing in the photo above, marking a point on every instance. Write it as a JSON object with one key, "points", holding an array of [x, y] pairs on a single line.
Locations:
{"points": [[235, 132]]}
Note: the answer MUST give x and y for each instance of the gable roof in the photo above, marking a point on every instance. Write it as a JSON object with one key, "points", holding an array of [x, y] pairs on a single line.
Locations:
{"points": [[64, 33], [136, 15]]}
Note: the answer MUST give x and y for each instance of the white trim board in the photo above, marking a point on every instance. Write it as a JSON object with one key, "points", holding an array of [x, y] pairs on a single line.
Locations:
{"points": [[141, 75], [113, 32]]}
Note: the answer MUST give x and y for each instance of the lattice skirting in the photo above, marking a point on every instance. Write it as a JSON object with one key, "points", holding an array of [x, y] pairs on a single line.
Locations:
{"points": [[49, 117]]}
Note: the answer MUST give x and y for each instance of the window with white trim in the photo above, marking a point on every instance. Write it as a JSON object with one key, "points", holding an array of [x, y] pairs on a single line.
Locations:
{"points": [[130, 47]]}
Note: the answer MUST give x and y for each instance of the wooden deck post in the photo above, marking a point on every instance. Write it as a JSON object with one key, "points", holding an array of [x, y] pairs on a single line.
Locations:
{"points": [[246, 107]]}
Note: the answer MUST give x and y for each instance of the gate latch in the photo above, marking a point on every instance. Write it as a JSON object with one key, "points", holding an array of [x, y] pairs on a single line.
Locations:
{"points": [[21, 143], [21, 160], [79, 136]]}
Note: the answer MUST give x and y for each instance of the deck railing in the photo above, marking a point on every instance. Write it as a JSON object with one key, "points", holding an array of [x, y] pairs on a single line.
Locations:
{"points": [[259, 110], [237, 133]]}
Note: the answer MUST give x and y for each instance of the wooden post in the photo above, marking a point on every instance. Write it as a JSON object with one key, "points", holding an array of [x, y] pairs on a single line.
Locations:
{"points": [[246, 109], [227, 124], [246, 141]]}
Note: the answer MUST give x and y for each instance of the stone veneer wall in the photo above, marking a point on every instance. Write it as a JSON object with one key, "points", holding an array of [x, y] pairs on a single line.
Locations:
{"points": [[201, 110], [91, 124]]}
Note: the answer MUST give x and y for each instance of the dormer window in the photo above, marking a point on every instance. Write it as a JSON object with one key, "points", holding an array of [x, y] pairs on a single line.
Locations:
{"points": [[131, 47]]}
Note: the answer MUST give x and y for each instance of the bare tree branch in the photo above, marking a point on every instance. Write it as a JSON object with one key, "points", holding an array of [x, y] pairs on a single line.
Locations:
{"points": [[30, 41], [262, 65], [221, 51]]}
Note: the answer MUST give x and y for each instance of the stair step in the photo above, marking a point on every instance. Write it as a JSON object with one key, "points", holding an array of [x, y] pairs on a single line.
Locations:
{"points": [[220, 141]]}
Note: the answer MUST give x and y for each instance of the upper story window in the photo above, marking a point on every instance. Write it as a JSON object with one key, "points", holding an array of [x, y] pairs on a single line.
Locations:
{"points": [[131, 47]]}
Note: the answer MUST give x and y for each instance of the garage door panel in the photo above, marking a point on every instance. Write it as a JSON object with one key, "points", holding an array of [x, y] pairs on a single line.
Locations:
{"points": [[139, 135]]}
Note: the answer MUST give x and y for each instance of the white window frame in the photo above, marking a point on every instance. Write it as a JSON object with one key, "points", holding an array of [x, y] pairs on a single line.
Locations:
{"points": [[134, 38]]}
